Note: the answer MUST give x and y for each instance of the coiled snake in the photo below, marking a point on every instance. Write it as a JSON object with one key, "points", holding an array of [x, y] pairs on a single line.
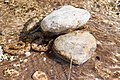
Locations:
{"points": [[31, 39]]}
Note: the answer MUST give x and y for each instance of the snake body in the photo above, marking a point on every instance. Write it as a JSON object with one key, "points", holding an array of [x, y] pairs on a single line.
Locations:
{"points": [[32, 38], [17, 48]]}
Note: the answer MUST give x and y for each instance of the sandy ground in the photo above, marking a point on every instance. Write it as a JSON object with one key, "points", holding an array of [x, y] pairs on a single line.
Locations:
{"points": [[104, 25]]}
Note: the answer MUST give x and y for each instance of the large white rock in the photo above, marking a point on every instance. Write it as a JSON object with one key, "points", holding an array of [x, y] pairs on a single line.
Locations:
{"points": [[78, 45], [65, 19]]}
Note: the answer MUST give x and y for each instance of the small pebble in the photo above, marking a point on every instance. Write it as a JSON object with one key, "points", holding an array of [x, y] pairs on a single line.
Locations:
{"points": [[63, 20], [25, 60], [27, 54], [39, 75], [16, 65], [78, 46], [44, 59]]}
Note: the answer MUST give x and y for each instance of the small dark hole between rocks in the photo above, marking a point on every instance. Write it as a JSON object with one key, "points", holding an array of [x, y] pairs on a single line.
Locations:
{"points": [[98, 6], [82, 7], [19, 44], [118, 5], [1, 33], [11, 48], [117, 13], [110, 26], [97, 57]]}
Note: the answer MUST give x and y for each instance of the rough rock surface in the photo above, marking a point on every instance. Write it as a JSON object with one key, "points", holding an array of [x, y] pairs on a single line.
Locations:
{"points": [[65, 19], [78, 45]]}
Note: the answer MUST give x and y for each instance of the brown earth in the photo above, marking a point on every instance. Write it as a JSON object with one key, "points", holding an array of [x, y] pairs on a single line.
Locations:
{"points": [[104, 25]]}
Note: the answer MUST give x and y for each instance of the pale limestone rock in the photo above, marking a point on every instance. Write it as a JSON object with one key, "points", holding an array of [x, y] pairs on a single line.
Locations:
{"points": [[63, 20], [78, 45]]}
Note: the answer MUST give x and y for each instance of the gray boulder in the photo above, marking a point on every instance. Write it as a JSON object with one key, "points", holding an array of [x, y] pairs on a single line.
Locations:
{"points": [[78, 45], [63, 20]]}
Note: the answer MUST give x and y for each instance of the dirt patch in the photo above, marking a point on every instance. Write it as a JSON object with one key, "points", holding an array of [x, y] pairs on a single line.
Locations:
{"points": [[104, 25]]}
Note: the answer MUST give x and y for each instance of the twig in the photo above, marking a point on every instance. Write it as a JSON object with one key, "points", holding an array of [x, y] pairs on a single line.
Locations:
{"points": [[70, 68]]}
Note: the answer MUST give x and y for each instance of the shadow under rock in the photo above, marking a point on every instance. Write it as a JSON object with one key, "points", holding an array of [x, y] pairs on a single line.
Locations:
{"points": [[33, 31], [53, 56]]}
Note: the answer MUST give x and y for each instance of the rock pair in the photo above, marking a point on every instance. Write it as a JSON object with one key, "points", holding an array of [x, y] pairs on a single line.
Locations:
{"points": [[73, 44]]}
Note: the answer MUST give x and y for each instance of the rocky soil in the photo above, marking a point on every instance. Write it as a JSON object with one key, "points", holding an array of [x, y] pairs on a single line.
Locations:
{"points": [[104, 25]]}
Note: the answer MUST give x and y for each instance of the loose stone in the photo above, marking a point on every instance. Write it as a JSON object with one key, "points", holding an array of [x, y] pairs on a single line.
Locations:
{"points": [[63, 20], [39, 75], [77, 45]]}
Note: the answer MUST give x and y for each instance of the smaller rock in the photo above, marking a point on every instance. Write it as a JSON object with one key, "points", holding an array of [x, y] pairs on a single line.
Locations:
{"points": [[27, 54], [78, 46], [39, 75], [63, 20]]}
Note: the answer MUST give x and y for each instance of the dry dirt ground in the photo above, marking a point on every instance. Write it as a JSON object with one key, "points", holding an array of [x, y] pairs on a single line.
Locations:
{"points": [[104, 25]]}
